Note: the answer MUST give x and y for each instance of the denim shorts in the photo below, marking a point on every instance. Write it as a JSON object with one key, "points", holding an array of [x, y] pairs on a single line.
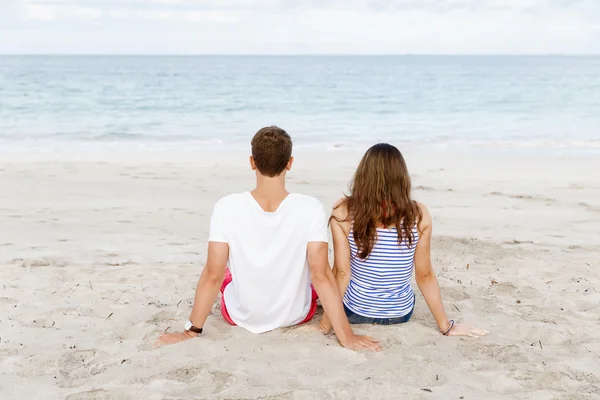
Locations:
{"points": [[354, 318]]}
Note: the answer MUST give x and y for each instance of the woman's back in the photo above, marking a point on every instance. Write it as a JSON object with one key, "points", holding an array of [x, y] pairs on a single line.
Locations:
{"points": [[380, 284], [374, 266]]}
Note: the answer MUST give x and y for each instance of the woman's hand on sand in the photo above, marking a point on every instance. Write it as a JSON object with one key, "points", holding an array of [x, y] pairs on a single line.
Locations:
{"points": [[467, 330], [171, 338], [356, 342]]}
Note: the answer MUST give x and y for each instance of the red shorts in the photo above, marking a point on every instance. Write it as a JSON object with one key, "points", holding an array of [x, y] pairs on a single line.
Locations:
{"points": [[225, 313]]}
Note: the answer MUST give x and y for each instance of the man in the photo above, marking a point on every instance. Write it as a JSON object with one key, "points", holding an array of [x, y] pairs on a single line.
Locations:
{"points": [[275, 242]]}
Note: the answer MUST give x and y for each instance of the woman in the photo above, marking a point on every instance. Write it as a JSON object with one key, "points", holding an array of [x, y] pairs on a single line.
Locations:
{"points": [[380, 236]]}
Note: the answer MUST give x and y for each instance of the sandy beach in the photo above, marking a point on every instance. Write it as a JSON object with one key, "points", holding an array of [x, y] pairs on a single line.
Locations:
{"points": [[100, 253]]}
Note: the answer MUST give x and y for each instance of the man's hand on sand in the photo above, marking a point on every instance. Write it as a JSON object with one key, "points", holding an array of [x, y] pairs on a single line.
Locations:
{"points": [[172, 338], [356, 342]]}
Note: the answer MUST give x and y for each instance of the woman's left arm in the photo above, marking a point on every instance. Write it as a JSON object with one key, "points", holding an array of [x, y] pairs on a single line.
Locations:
{"points": [[429, 286]]}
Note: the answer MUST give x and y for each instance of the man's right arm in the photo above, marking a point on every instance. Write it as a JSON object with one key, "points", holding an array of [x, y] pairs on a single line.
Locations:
{"points": [[206, 291], [211, 278], [325, 285], [210, 282]]}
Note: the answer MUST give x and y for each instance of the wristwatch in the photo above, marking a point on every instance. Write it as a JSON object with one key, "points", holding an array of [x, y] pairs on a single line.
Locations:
{"points": [[191, 328]]}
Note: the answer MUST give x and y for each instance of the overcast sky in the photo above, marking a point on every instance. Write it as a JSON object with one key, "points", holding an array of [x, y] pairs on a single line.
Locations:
{"points": [[300, 26]]}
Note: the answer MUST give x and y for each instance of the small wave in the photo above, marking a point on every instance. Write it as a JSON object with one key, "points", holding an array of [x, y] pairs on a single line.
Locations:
{"points": [[574, 144], [129, 141]]}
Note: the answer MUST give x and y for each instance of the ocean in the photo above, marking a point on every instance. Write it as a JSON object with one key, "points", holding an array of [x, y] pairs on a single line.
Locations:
{"points": [[218, 102]]}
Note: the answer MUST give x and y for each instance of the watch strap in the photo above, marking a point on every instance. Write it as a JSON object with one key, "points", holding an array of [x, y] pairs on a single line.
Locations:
{"points": [[195, 329]]}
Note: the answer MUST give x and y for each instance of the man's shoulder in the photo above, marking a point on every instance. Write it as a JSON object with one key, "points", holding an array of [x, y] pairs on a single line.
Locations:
{"points": [[231, 200], [307, 200], [308, 205]]}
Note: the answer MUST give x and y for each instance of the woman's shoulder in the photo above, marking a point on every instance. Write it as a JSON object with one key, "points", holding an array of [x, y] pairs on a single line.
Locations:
{"points": [[343, 203], [426, 220], [340, 209], [341, 216]]}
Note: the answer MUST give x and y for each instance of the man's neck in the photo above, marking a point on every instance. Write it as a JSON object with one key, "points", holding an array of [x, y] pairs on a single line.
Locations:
{"points": [[270, 192]]}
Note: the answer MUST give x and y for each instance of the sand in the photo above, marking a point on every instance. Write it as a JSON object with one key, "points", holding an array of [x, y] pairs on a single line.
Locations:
{"points": [[100, 253]]}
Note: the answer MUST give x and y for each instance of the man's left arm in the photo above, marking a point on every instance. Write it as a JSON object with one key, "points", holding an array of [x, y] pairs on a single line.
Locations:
{"points": [[206, 291], [326, 286]]}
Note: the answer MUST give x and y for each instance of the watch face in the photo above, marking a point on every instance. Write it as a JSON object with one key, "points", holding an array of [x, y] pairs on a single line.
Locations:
{"points": [[188, 325]]}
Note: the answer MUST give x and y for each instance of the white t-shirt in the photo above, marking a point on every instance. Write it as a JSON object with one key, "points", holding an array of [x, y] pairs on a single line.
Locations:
{"points": [[268, 258]]}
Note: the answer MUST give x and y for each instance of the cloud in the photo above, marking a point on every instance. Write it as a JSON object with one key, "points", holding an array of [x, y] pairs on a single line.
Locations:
{"points": [[50, 12], [39, 12], [119, 13], [306, 26], [284, 5]]}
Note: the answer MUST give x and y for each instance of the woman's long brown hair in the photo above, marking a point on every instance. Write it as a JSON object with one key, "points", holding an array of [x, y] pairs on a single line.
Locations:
{"points": [[380, 195]]}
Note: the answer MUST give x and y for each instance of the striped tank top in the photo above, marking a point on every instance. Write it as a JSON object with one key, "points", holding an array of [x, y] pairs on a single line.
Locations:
{"points": [[380, 285]]}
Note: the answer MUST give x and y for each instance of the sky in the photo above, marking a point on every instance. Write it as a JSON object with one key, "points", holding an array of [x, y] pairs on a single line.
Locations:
{"points": [[300, 27]]}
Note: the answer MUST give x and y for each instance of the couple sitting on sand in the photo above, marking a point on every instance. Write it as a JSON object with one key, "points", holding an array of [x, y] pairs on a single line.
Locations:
{"points": [[266, 246]]}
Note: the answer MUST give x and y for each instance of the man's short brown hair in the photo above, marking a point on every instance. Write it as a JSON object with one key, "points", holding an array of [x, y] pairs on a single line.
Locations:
{"points": [[271, 150]]}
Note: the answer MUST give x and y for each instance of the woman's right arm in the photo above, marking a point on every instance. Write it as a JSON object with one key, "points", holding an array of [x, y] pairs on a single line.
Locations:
{"points": [[428, 283]]}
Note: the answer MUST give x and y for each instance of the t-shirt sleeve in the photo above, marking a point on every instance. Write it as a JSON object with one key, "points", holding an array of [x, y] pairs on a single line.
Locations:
{"points": [[218, 226], [318, 226]]}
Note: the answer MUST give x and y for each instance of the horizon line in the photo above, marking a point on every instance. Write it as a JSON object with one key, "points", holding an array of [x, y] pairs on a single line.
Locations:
{"points": [[301, 54]]}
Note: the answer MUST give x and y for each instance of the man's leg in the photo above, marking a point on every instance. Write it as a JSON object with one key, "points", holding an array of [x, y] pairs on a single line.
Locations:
{"points": [[313, 306], [226, 281]]}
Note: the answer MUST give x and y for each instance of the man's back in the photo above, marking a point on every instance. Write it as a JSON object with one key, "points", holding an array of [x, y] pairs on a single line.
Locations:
{"points": [[267, 258], [268, 285]]}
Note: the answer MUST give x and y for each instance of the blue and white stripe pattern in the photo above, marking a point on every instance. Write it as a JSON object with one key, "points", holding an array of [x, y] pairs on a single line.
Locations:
{"points": [[380, 285]]}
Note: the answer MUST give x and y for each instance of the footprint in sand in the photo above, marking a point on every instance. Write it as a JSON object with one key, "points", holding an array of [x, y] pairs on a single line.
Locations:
{"points": [[41, 322], [7, 300], [506, 354], [76, 367], [201, 381], [565, 380], [97, 394], [455, 294], [38, 263], [163, 316]]}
